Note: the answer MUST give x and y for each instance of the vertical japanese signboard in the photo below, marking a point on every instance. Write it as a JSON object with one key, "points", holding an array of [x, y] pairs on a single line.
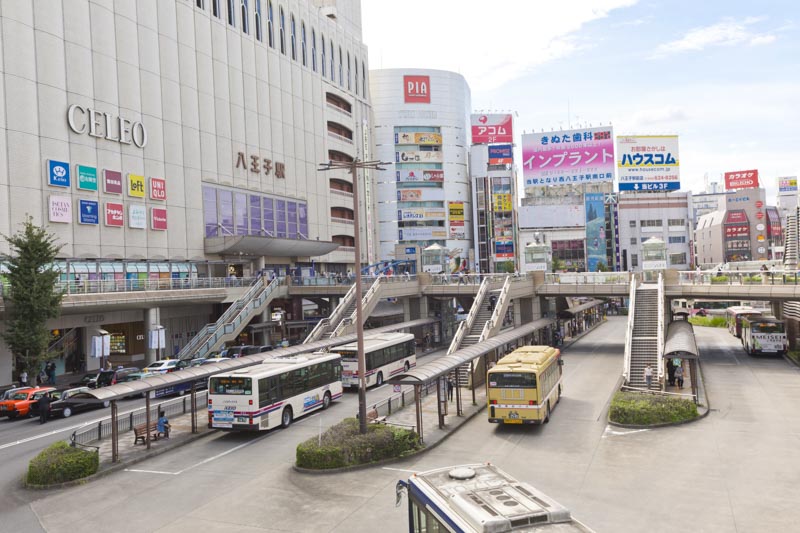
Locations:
{"points": [[492, 129], [456, 220], [595, 230], [648, 163], [571, 156]]}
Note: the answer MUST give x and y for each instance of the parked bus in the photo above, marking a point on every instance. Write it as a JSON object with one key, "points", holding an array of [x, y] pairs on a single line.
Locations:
{"points": [[478, 499], [762, 335], [274, 392], [387, 354], [524, 386], [734, 315], [712, 307]]}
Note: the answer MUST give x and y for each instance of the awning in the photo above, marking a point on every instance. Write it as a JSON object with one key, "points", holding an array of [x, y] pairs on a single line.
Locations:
{"points": [[572, 311], [253, 245], [681, 341], [385, 309]]}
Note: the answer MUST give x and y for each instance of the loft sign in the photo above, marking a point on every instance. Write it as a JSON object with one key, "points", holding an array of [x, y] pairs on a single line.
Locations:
{"points": [[106, 126]]}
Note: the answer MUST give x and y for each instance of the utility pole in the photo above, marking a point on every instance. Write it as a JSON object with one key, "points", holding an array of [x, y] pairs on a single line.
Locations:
{"points": [[352, 167]]}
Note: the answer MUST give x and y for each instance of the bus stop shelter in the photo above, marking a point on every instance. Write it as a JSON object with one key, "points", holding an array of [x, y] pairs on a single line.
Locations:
{"points": [[438, 370], [680, 343]]}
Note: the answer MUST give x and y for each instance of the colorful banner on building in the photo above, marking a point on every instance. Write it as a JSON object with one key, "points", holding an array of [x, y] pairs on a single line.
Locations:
{"points": [[58, 173], [424, 194], [425, 138], [501, 154], [502, 202], [420, 213], [741, 179], [417, 89], [492, 129], [86, 177], [455, 215], [114, 214], [137, 216], [88, 212], [136, 186], [648, 163], [417, 156], [436, 176], [112, 182], [572, 156], [158, 219], [158, 189], [60, 208], [503, 250], [787, 184], [595, 231], [422, 233]]}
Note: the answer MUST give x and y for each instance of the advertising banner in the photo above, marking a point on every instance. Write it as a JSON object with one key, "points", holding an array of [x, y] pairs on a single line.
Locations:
{"points": [[57, 173], [456, 220], [741, 179], [648, 163], [87, 177], [416, 156], [158, 218], [88, 212], [503, 250], [60, 209], [137, 216], [114, 215], [425, 194], [436, 176], [736, 217], [501, 202], [503, 227], [787, 184], [501, 154], [733, 231], [595, 230], [136, 185], [112, 182], [491, 129], [419, 213], [571, 156], [417, 89], [158, 189], [421, 233], [426, 138]]}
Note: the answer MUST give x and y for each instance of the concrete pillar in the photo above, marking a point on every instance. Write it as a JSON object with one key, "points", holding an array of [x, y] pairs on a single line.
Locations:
{"points": [[152, 318], [406, 309], [777, 310], [90, 363]]}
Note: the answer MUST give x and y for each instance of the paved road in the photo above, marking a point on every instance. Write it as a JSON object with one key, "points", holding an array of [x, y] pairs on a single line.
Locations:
{"points": [[731, 472]]}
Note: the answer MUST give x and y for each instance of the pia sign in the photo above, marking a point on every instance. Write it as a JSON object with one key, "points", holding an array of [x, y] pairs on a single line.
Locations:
{"points": [[417, 89]]}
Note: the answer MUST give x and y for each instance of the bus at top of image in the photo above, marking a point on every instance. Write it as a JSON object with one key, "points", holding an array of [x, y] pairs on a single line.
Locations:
{"points": [[524, 386], [274, 392], [712, 307], [386, 354], [481, 498], [734, 316], [761, 335]]}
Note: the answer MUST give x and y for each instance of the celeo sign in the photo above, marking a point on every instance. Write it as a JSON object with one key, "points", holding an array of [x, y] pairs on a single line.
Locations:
{"points": [[105, 126]]}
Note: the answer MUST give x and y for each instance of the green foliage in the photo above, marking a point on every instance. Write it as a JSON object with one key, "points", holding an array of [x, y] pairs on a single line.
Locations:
{"points": [[59, 463], [794, 355], [32, 295], [343, 445], [709, 321], [642, 409], [719, 279], [602, 267], [559, 265], [506, 267]]}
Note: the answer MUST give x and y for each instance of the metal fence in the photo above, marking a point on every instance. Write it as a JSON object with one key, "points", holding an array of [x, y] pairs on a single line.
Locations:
{"points": [[126, 422], [401, 400]]}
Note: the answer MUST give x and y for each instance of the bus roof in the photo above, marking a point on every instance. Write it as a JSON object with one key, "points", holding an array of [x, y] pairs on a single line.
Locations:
{"points": [[762, 319], [377, 341], [280, 364], [527, 355]]}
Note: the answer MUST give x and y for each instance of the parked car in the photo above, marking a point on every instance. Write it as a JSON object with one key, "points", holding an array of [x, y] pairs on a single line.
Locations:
{"points": [[22, 402], [10, 392], [112, 377], [71, 401], [235, 351], [88, 380], [164, 366]]}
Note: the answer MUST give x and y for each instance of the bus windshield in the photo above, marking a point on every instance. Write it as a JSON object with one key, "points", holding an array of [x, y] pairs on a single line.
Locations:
{"points": [[513, 380], [767, 327], [230, 385], [348, 355]]}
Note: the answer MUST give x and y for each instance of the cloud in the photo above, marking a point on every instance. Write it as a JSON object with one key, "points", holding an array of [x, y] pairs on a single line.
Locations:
{"points": [[728, 32], [666, 115]]}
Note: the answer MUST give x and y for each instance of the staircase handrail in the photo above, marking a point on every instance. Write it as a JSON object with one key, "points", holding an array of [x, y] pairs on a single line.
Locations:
{"points": [[466, 324], [337, 314], [373, 289], [57, 345], [498, 312], [661, 329], [318, 330], [626, 364], [335, 319]]}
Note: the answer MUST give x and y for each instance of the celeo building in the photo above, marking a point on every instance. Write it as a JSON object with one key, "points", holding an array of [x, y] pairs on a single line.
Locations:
{"points": [[421, 129], [172, 141]]}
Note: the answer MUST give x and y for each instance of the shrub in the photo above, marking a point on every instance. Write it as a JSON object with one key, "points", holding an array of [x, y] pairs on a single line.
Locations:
{"points": [[59, 463], [642, 409], [719, 279], [709, 321], [343, 445]]}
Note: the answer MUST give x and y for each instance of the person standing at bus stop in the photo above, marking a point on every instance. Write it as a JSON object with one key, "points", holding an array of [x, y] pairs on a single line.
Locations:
{"points": [[679, 376], [450, 387]]}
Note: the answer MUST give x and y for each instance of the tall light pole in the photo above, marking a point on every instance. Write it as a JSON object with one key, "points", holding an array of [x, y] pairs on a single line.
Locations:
{"points": [[352, 167]]}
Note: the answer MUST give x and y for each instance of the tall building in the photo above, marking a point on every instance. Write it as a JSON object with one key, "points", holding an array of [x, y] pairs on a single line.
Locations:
{"points": [[422, 198], [787, 198], [180, 139]]}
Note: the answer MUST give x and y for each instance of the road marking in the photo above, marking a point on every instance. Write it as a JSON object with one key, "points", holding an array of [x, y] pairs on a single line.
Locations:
{"points": [[614, 433], [151, 471], [399, 470]]}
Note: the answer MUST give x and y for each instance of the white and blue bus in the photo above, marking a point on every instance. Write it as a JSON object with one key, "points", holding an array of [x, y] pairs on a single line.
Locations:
{"points": [[273, 393], [386, 354]]}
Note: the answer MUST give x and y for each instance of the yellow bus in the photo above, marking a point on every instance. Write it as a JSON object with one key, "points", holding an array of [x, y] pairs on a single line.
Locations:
{"points": [[524, 386]]}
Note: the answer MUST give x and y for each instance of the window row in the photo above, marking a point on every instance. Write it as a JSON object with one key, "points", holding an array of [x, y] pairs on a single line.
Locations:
{"points": [[326, 51], [233, 213]]}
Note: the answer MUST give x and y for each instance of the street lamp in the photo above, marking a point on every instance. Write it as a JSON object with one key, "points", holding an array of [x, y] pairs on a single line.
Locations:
{"points": [[352, 167]]}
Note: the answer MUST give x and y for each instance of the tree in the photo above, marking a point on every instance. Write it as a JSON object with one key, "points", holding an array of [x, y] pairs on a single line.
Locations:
{"points": [[559, 265], [602, 267], [32, 297]]}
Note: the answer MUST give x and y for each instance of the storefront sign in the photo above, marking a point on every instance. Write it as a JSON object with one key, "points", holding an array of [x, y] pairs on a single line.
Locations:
{"points": [[436, 176], [456, 220], [418, 138], [501, 154], [158, 189], [741, 179], [648, 163], [417, 89], [137, 216], [57, 173], [415, 156], [89, 212], [136, 185], [491, 129], [106, 126], [60, 209], [114, 216], [158, 219], [112, 182], [502, 202], [87, 177], [583, 155], [787, 184]]}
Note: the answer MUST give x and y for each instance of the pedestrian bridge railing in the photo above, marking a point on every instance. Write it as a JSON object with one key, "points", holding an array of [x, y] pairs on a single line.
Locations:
{"points": [[589, 278], [740, 277]]}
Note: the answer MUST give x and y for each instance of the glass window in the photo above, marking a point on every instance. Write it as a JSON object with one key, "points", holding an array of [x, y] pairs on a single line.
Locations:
{"points": [[677, 259], [259, 35], [348, 71], [333, 63], [291, 220], [215, 10], [292, 38], [240, 213], [231, 14], [341, 68], [322, 38], [270, 36], [280, 219], [302, 221], [225, 200], [633, 223], [200, 4], [282, 29], [633, 240], [677, 239], [356, 76], [269, 217], [303, 43], [634, 260], [363, 80], [255, 215], [652, 223], [676, 222], [245, 18], [210, 211], [313, 50], [512, 380]]}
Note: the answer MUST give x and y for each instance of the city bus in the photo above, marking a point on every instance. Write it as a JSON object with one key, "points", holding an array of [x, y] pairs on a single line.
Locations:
{"points": [[712, 307], [762, 335], [386, 354], [524, 386], [734, 315], [273, 393], [481, 498]]}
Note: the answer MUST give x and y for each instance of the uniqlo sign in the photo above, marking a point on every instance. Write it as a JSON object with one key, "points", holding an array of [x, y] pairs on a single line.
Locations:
{"points": [[742, 179], [114, 214], [158, 189], [417, 89]]}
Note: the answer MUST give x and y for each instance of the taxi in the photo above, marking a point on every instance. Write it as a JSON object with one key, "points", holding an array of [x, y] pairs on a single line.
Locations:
{"points": [[23, 402]]}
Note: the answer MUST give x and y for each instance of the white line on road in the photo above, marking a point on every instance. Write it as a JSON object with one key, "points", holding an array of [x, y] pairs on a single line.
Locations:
{"points": [[615, 433], [151, 471], [399, 470]]}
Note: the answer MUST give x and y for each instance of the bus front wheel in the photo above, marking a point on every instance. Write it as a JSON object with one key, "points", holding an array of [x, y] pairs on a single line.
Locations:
{"points": [[326, 400], [379, 379], [286, 417]]}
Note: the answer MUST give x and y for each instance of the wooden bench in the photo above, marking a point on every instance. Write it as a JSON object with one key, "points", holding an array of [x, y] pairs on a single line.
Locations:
{"points": [[140, 432]]}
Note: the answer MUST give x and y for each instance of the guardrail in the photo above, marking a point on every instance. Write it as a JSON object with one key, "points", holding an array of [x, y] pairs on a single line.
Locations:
{"points": [[740, 277], [466, 325], [127, 421], [593, 278], [661, 330], [499, 311], [401, 399], [626, 361], [99, 286]]}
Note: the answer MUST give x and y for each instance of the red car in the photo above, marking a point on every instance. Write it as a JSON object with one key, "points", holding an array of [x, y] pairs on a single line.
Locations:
{"points": [[23, 401]]}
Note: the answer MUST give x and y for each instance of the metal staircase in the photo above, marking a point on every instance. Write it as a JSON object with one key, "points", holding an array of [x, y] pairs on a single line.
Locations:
{"points": [[645, 341], [234, 319], [469, 330], [326, 326], [368, 302], [495, 323]]}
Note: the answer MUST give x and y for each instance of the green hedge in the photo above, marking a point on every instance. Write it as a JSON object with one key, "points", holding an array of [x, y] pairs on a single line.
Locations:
{"points": [[719, 279], [709, 321], [343, 445], [642, 409], [59, 463]]}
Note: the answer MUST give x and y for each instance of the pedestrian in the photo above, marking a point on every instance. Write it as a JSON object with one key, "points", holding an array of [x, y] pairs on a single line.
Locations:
{"points": [[41, 379], [461, 278], [163, 426], [44, 408], [648, 375], [492, 302], [679, 376], [23, 378], [50, 369], [670, 372], [408, 275], [450, 387]]}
